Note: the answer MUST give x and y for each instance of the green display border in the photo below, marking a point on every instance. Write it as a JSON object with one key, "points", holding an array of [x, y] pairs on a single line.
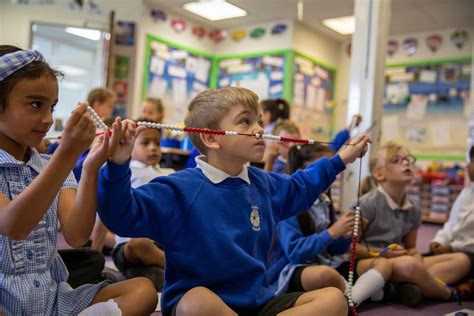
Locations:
{"points": [[445, 157], [150, 38]]}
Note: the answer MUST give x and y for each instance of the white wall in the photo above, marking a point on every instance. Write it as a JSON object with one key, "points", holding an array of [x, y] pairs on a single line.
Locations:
{"points": [[446, 50], [16, 19], [316, 45], [267, 42]]}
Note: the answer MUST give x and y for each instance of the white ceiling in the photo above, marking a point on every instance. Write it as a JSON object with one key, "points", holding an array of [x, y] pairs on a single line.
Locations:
{"points": [[408, 16]]}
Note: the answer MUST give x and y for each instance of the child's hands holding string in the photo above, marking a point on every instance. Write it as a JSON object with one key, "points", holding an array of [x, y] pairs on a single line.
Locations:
{"points": [[79, 132], [357, 148], [343, 226], [123, 152], [103, 147]]}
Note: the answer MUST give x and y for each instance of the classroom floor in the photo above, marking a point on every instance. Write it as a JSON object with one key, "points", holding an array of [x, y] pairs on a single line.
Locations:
{"points": [[429, 308]]}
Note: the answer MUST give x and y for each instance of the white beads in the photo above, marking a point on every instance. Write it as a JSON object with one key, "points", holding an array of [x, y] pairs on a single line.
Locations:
{"points": [[311, 141], [231, 133], [97, 120], [270, 137], [161, 126]]}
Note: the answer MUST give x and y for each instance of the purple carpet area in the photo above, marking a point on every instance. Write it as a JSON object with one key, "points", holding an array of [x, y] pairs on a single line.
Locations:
{"points": [[428, 308]]}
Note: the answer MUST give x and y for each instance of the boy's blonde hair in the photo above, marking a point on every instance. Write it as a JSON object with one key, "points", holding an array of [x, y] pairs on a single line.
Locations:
{"points": [[288, 126], [208, 108], [99, 95], [157, 103]]}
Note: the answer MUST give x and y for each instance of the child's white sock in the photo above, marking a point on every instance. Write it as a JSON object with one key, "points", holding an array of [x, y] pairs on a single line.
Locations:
{"points": [[367, 284], [109, 308]]}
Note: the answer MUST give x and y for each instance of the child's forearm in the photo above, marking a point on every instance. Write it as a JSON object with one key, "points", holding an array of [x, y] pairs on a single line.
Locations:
{"points": [[82, 216], [19, 216]]}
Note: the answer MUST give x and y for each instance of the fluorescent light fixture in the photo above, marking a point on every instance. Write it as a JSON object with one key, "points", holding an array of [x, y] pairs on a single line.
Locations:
{"points": [[343, 25], [93, 35], [215, 10], [72, 70]]}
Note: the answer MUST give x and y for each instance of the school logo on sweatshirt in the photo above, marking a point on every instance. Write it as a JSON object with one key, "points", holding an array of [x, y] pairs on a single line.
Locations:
{"points": [[255, 218]]}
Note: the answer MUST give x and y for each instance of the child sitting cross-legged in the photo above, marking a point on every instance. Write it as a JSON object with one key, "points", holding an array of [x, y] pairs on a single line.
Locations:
{"points": [[216, 222], [393, 221], [312, 244]]}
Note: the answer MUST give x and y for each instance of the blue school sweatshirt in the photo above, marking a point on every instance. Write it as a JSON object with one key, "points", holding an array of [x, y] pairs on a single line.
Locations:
{"points": [[214, 235]]}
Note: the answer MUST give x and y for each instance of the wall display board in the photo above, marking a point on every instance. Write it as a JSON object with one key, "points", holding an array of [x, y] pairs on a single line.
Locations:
{"points": [[263, 73], [175, 74], [426, 105], [313, 96]]}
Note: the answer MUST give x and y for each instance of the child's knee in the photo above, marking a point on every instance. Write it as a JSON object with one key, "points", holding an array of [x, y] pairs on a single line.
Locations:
{"points": [[408, 266], [198, 300], [334, 299], [144, 292], [384, 267], [462, 261]]}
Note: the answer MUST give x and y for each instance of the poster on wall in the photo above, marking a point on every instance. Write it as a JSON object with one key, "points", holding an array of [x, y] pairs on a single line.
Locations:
{"points": [[125, 33], [313, 97], [430, 102], [261, 74], [175, 75]]}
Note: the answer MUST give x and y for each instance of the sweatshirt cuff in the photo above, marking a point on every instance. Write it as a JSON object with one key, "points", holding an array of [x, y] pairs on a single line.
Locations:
{"points": [[115, 173], [337, 163], [326, 237]]}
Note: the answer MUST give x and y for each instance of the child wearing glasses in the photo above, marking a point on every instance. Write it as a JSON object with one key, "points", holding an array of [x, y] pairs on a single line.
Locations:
{"points": [[393, 220]]}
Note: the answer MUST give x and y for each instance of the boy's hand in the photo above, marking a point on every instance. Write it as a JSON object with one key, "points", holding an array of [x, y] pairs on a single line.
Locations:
{"points": [[343, 226], [357, 148], [79, 131], [438, 248], [103, 147], [130, 131]]}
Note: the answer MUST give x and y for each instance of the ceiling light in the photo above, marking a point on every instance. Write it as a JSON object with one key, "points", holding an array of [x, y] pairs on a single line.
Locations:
{"points": [[343, 25], [93, 35], [215, 10]]}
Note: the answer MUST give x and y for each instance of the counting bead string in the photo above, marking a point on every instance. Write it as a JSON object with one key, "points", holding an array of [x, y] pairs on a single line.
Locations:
{"points": [[355, 240], [96, 118], [232, 133]]}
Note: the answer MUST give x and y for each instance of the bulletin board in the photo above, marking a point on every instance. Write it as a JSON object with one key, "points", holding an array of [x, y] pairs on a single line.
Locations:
{"points": [[263, 73], [426, 106], [313, 96], [175, 74]]}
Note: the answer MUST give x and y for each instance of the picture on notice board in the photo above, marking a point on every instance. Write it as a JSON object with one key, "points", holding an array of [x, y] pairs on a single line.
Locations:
{"points": [[175, 75], [443, 84], [261, 74], [313, 97], [125, 33]]}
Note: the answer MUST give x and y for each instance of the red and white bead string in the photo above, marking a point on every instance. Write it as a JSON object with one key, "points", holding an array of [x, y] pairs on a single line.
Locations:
{"points": [[229, 133]]}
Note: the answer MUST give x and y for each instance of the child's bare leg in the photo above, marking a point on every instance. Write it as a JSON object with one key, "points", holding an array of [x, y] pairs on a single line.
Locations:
{"points": [[144, 250], [382, 265], [201, 301], [449, 267], [317, 277], [134, 297], [409, 269], [327, 301]]}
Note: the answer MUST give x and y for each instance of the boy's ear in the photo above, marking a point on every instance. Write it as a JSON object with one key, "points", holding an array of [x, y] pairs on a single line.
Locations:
{"points": [[210, 141], [378, 174]]}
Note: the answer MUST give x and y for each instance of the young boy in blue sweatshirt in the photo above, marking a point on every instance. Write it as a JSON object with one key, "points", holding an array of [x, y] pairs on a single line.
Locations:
{"points": [[216, 221]]}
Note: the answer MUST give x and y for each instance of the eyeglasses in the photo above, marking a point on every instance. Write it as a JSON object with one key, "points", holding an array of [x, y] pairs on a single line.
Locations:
{"points": [[399, 159]]}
